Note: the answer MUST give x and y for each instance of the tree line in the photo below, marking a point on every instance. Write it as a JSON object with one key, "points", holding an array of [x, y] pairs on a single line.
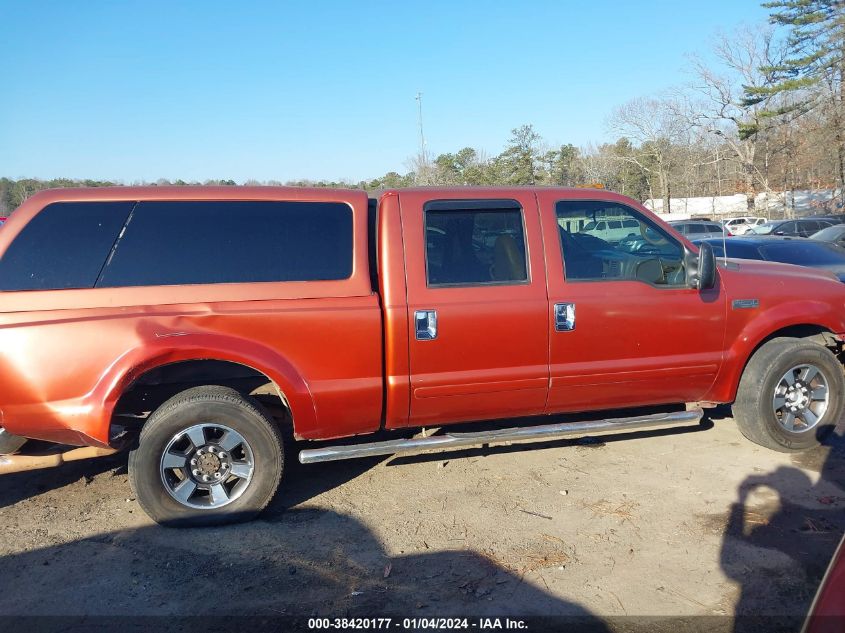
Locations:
{"points": [[767, 115]]}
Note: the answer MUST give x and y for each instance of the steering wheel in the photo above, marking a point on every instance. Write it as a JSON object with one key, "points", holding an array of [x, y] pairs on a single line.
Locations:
{"points": [[647, 249], [645, 230]]}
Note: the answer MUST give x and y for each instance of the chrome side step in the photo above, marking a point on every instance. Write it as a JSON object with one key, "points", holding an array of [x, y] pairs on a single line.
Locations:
{"points": [[518, 434]]}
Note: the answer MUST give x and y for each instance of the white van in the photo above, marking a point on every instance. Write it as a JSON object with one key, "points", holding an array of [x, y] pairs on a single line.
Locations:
{"points": [[612, 230]]}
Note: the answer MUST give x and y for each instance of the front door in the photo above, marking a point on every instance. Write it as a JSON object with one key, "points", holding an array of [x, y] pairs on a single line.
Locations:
{"points": [[627, 328], [478, 308]]}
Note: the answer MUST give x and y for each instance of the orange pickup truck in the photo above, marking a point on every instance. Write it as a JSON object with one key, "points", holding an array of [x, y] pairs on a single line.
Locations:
{"points": [[194, 325]]}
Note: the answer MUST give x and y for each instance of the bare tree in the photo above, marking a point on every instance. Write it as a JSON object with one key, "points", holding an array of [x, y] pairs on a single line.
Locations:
{"points": [[719, 105], [656, 132]]}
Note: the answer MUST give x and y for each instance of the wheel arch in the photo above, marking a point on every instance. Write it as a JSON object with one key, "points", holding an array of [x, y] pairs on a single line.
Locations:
{"points": [[194, 360], [747, 344]]}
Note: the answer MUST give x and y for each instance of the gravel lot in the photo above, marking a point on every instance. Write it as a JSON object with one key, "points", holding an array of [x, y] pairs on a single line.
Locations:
{"points": [[686, 522]]}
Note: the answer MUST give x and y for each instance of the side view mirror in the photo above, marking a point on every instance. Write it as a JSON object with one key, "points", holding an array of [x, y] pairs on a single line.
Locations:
{"points": [[701, 270]]}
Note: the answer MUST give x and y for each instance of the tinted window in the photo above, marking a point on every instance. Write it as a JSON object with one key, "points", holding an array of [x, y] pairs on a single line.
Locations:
{"points": [[64, 246], [712, 228], [199, 242], [804, 253], [474, 242], [642, 253]]}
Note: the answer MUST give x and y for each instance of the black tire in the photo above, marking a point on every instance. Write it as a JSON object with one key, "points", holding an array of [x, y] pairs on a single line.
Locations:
{"points": [[754, 411], [207, 406]]}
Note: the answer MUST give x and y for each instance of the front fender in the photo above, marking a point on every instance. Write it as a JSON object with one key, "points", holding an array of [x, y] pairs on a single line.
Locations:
{"points": [[748, 334]]}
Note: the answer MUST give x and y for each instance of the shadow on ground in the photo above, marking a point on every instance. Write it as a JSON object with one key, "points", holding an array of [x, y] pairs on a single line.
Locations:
{"points": [[781, 534], [293, 566]]}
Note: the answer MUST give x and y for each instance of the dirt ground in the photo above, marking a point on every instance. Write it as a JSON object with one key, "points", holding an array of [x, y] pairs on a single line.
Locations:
{"points": [[679, 523]]}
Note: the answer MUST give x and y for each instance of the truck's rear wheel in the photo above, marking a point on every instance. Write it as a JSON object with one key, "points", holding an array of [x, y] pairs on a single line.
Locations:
{"points": [[790, 396], [207, 456]]}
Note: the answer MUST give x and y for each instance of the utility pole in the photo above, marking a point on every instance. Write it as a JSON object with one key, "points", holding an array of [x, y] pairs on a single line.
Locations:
{"points": [[422, 136]]}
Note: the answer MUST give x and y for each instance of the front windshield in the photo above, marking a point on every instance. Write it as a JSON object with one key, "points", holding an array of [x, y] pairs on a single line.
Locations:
{"points": [[804, 253], [764, 229]]}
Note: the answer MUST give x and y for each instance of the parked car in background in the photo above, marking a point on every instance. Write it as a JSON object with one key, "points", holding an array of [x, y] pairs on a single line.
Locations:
{"points": [[740, 225], [787, 250], [834, 234], [699, 229], [803, 227], [832, 218]]}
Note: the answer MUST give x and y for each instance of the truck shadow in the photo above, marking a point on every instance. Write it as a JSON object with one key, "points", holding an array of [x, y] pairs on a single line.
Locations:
{"points": [[16, 487], [780, 535], [314, 563]]}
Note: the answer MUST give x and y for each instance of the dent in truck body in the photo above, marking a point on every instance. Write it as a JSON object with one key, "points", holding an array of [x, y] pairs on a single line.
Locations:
{"points": [[67, 355]]}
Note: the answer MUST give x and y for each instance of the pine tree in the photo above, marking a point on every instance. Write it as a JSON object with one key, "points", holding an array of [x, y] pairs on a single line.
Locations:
{"points": [[812, 73]]}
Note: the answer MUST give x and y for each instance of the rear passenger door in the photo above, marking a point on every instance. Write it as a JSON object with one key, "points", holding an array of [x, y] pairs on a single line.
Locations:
{"points": [[477, 303]]}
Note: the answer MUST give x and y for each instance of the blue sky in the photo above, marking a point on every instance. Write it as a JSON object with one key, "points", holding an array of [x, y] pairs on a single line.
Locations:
{"points": [[286, 90]]}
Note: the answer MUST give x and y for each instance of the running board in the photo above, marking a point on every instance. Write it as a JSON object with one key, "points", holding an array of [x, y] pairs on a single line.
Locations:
{"points": [[518, 434]]}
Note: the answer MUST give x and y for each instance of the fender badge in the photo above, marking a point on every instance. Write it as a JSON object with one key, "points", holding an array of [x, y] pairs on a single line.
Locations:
{"points": [[742, 304]]}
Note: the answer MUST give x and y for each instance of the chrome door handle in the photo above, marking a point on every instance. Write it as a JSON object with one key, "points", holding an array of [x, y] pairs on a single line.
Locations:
{"points": [[425, 325], [564, 317]]}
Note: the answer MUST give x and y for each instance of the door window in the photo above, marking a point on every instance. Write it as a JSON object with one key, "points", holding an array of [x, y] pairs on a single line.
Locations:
{"points": [[641, 252], [472, 242]]}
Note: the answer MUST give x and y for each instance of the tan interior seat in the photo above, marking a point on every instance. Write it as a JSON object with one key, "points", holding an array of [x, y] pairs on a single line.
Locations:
{"points": [[508, 261]]}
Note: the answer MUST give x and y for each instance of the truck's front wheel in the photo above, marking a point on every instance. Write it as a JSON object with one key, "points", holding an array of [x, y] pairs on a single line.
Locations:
{"points": [[207, 456], [790, 396]]}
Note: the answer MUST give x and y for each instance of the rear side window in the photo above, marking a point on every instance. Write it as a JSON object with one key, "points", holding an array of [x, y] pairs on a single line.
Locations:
{"points": [[474, 242], [206, 242], [64, 246]]}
